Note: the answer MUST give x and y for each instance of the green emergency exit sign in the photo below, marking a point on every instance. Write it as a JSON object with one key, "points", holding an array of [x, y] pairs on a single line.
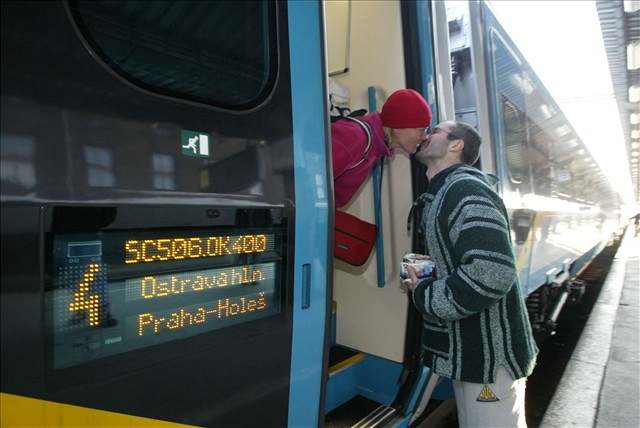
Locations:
{"points": [[195, 143]]}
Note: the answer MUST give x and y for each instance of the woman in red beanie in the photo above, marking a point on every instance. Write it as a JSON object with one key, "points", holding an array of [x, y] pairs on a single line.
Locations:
{"points": [[400, 125]]}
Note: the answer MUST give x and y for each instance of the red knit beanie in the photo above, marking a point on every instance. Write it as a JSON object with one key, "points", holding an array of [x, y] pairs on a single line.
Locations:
{"points": [[406, 108]]}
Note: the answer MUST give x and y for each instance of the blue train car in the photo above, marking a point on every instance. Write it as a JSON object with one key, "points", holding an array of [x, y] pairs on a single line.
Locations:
{"points": [[167, 207], [563, 210]]}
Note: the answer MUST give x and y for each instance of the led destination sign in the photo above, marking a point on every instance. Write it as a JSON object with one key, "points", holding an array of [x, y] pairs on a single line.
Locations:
{"points": [[150, 323], [160, 286], [155, 250], [112, 294]]}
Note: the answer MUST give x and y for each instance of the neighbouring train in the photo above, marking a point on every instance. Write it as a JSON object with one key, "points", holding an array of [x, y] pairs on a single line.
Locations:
{"points": [[167, 206]]}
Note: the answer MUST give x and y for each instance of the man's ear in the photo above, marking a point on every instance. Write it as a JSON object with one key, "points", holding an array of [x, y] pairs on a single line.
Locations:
{"points": [[457, 145]]}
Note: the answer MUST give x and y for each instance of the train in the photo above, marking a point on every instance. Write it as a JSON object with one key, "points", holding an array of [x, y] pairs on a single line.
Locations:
{"points": [[167, 206]]}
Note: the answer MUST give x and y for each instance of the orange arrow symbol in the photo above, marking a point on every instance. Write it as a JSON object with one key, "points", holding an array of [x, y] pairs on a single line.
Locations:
{"points": [[83, 301]]}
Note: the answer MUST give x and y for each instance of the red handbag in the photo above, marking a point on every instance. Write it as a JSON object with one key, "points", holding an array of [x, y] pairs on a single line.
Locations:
{"points": [[354, 238]]}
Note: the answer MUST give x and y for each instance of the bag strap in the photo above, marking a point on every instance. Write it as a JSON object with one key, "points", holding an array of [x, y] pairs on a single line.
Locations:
{"points": [[365, 127]]}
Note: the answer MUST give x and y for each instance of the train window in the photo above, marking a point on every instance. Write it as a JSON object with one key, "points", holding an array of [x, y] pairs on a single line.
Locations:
{"points": [[510, 99], [573, 168], [18, 170], [99, 166], [553, 146], [223, 54], [515, 145], [163, 172], [542, 169], [539, 144]]}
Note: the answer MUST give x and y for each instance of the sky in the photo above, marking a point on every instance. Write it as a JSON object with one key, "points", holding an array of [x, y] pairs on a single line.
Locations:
{"points": [[562, 41]]}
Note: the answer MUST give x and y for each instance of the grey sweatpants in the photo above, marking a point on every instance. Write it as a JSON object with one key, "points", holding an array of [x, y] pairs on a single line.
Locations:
{"points": [[494, 405]]}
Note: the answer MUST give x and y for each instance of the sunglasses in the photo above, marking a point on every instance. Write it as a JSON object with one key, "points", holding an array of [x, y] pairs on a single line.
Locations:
{"points": [[435, 130]]}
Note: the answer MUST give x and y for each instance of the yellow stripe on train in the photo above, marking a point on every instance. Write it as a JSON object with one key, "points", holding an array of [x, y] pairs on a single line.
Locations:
{"points": [[18, 411]]}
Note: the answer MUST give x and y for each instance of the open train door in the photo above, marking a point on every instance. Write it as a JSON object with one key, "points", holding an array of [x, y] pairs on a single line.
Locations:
{"points": [[314, 217], [375, 375]]}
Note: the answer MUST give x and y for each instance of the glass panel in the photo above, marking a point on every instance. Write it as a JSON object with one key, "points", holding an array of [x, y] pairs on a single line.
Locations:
{"points": [[543, 153], [510, 99], [515, 145], [539, 154], [219, 53]]}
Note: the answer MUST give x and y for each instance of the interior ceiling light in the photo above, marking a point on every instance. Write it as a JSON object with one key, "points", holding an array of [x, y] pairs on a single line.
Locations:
{"points": [[563, 130], [634, 93], [633, 55], [631, 6], [634, 118], [635, 134], [547, 113]]}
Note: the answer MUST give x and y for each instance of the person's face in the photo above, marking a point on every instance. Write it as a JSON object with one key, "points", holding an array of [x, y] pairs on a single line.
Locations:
{"points": [[437, 144], [408, 139]]}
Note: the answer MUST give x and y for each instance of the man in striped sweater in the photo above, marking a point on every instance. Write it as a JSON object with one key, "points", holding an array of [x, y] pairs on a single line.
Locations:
{"points": [[475, 325]]}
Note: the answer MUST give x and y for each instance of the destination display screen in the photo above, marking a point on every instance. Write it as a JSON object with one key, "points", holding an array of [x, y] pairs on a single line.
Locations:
{"points": [[118, 291]]}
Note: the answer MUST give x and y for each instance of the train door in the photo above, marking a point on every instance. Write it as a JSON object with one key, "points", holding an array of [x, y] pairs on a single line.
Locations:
{"points": [[165, 210], [375, 374]]}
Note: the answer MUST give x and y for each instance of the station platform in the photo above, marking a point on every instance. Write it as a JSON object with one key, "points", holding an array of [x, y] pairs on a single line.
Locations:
{"points": [[601, 382]]}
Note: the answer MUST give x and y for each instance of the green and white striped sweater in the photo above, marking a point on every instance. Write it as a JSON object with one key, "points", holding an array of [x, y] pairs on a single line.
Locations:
{"points": [[474, 315]]}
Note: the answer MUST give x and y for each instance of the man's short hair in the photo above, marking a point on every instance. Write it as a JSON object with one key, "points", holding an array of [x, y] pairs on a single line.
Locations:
{"points": [[471, 138]]}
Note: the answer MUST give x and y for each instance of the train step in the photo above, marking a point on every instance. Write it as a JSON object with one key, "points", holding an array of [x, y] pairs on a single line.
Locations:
{"points": [[359, 412]]}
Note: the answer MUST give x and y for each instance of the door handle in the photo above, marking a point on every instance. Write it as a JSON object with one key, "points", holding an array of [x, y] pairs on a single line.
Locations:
{"points": [[306, 286]]}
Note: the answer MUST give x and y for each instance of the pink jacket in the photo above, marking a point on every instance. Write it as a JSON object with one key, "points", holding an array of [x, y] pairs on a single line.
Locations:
{"points": [[348, 143]]}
